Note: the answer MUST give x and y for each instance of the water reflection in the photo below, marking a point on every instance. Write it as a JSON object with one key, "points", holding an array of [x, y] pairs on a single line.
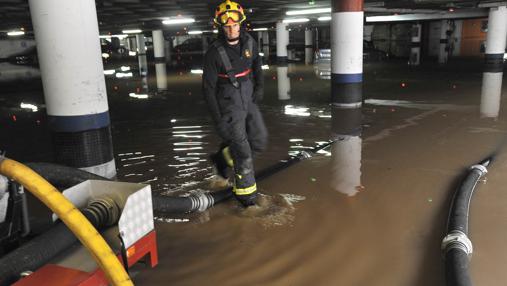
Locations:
{"points": [[283, 83], [161, 74], [189, 164], [491, 94], [29, 106], [10, 72], [322, 70], [346, 151]]}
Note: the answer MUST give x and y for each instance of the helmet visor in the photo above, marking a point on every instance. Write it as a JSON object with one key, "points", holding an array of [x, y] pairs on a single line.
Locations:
{"points": [[230, 18]]}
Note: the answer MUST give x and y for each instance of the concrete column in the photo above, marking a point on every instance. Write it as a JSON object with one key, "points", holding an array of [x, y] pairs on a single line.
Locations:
{"points": [[443, 53], [265, 45], [317, 38], [346, 151], [160, 63], [74, 85], [127, 44], [158, 46], [308, 46], [347, 53], [282, 40], [168, 47], [259, 37], [283, 82], [493, 66], [141, 55], [415, 51], [132, 44]]}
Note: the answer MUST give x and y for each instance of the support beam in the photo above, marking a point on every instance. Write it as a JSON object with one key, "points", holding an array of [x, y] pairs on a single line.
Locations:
{"points": [[74, 85], [347, 53]]}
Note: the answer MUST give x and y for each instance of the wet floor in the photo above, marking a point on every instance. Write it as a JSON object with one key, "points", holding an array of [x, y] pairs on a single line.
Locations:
{"points": [[369, 210]]}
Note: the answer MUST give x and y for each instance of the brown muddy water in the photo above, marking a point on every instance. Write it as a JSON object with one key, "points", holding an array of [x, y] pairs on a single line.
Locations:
{"points": [[369, 210]]}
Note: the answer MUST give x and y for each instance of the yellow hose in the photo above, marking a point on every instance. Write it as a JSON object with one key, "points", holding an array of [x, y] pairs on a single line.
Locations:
{"points": [[71, 216]]}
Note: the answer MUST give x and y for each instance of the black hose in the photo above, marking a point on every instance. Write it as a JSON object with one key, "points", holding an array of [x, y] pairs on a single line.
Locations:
{"points": [[41, 249], [456, 268], [62, 176], [456, 245], [271, 170]]}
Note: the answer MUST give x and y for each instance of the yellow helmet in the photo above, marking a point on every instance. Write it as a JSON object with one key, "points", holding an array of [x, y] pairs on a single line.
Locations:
{"points": [[229, 13]]}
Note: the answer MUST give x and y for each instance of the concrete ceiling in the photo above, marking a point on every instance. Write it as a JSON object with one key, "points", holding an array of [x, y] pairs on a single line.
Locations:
{"points": [[115, 15]]}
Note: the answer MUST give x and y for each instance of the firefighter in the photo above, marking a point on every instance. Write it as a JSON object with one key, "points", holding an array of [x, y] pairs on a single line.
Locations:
{"points": [[233, 84]]}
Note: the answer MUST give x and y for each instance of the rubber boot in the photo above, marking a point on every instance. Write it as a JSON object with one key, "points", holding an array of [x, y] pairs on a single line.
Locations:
{"points": [[220, 164], [247, 200]]}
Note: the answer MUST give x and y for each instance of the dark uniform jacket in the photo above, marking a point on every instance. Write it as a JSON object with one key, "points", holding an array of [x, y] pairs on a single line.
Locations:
{"points": [[222, 97]]}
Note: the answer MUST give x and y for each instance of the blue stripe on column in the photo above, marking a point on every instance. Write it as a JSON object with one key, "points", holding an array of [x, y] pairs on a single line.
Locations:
{"points": [[78, 123], [346, 78]]}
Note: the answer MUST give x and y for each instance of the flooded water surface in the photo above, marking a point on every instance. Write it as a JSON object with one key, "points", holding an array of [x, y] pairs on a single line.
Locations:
{"points": [[370, 209]]}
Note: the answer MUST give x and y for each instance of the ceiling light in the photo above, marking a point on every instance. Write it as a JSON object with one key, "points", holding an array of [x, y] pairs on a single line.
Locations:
{"points": [[134, 31], [325, 18], [113, 36], [15, 33], [308, 11], [194, 32], [176, 21], [259, 29], [296, 20]]}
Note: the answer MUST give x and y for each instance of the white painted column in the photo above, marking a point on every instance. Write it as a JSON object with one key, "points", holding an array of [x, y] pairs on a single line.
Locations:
{"points": [[158, 45], [493, 66], [70, 61], [282, 40], [347, 53]]}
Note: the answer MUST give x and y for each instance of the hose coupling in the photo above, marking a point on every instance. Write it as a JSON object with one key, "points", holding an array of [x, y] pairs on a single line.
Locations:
{"points": [[105, 211], [304, 155], [201, 202], [457, 240], [480, 168]]}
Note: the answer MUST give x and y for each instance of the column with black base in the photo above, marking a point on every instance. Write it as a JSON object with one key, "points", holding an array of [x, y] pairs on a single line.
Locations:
{"points": [[69, 54], [347, 53]]}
